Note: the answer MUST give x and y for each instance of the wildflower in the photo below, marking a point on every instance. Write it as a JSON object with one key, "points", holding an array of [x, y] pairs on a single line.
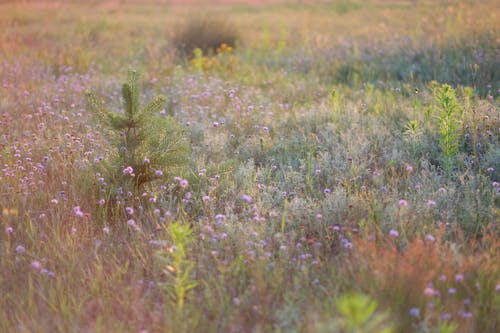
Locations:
{"points": [[442, 278], [220, 217], [452, 291], [206, 198], [414, 312], [73, 230], [159, 173], [459, 277], [146, 160], [446, 316], [78, 212], [465, 314], [442, 190], [9, 230], [129, 210], [497, 287], [236, 301], [54, 201], [128, 170], [393, 233], [102, 202], [184, 183], [131, 222], [105, 230], [326, 190], [430, 238], [490, 169], [403, 203], [35, 264], [20, 249], [429, 292], [246, 198]]}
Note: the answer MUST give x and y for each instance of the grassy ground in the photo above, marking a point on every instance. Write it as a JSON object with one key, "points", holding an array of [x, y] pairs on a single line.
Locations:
{"points": [[343, 171]]}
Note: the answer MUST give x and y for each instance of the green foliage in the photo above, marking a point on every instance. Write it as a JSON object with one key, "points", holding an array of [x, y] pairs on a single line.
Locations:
{"points": [[413, 134], [358, 314], [177, 266], [446, 327], [412, 131], [449, 117], [152, 145], [207, 33]]}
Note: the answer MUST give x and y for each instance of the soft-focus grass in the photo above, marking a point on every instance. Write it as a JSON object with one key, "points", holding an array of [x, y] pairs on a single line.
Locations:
{"points": [[305, 183]]}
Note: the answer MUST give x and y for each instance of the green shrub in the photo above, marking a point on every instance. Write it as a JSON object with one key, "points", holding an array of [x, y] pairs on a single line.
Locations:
{"points": [[146, 146], [450, 112], [206, 33]]}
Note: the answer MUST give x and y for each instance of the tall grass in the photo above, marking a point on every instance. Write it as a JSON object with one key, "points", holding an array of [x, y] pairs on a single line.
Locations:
{"points": [[342, 172]]}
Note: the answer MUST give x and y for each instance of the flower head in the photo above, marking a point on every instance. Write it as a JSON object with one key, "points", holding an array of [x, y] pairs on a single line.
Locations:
{"points": [[429, 292], [35, 264], [20, 249], [128, 170], [414, 312]]}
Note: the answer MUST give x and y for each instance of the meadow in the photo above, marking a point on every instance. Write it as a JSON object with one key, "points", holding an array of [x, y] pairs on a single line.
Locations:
{"points": [[284, 166]]}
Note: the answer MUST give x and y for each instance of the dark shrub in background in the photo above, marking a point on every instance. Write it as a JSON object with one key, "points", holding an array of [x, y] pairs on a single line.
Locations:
{"points": [[206, 32]]}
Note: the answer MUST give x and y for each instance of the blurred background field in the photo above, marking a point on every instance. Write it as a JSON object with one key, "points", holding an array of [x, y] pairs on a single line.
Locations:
{"points": [[327, 166]]}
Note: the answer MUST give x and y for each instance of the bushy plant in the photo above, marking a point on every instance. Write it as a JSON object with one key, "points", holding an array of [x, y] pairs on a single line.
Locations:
{"points": [[358, 314], [177, 266], [146, 145], [206, 33], [449, 117]]}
